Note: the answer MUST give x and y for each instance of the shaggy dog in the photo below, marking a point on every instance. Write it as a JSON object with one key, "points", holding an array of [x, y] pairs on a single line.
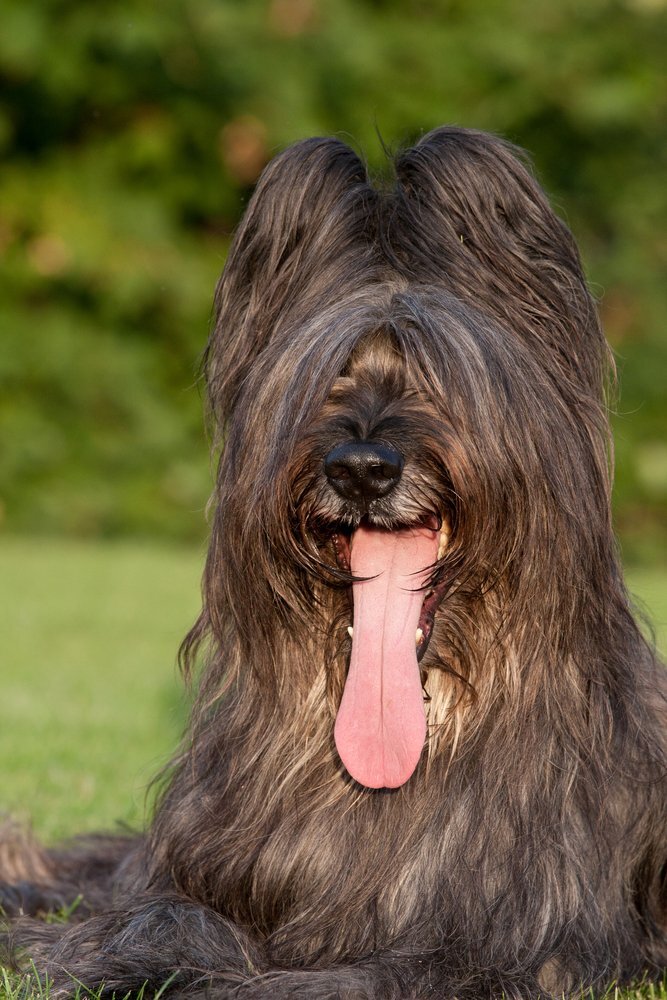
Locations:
{"points": [[427, 753]]}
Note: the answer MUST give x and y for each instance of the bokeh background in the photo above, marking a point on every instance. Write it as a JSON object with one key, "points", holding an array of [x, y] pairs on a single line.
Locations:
{"points": [[131, 134]]}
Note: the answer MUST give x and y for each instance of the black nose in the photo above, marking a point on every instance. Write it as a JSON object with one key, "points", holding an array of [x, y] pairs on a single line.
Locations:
{"points": [[363, 470]]}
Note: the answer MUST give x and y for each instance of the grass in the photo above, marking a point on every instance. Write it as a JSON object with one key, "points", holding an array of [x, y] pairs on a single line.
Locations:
{"points": [[92, 704], [12, 989], [648, 588]]}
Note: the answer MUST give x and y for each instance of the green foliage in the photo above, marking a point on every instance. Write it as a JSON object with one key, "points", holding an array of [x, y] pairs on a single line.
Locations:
{"points": [[132, 132]]}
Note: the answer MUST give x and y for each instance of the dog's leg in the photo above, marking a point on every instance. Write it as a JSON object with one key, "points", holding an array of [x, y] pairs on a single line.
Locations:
{"points": [[155, 941], [79, 877], [32, 899], [170, 944]]}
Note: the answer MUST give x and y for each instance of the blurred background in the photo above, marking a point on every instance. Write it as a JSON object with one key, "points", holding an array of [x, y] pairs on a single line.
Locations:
{"points": [[131, 134]]}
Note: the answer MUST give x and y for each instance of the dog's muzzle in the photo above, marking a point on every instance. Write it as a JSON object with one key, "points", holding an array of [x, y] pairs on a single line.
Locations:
{"points": [[363, 470], [391, 556]]}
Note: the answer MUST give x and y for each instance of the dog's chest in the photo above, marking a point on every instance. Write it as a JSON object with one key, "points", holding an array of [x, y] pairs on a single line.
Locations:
{"points": [[339, 886]]}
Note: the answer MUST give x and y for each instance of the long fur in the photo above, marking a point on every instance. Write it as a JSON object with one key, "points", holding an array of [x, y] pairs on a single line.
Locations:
{"points": [[449, 316]]}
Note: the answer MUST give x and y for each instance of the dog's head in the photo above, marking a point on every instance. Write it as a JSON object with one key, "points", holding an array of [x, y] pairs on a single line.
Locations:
{"points": [[408, 385]]}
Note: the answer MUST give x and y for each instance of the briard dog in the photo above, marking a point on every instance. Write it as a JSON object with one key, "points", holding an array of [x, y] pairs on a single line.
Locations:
{"points": [[427, 752]]}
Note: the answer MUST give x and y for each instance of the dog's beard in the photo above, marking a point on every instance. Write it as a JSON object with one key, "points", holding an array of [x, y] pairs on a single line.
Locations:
{"points": [[381, 724]]}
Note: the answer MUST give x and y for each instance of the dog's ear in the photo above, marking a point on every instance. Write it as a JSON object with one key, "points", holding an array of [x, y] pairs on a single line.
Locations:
{"points": [[473, 217], [305, 216]]}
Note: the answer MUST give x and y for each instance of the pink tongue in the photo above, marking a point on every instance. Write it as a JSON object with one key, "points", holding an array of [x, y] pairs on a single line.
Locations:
{"points": [[381, 726]]}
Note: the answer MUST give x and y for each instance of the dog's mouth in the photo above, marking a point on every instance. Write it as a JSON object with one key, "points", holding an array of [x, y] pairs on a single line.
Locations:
{"points": [[381, 724]]}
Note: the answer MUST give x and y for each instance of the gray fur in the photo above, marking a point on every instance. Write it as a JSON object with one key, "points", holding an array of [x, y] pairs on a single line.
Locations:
{"points": [[448, 316]]}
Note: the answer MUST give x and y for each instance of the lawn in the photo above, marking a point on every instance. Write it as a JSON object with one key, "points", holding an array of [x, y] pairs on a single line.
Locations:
{"points": [[92, 704]]}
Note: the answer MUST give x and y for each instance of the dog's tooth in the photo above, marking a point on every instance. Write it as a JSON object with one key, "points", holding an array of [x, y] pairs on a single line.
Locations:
{"points": [[444, 538], [419, 635], [350, 630]]}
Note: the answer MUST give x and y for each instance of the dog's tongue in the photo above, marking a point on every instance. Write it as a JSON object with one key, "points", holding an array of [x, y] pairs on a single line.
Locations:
{"points": [[381, 725]]}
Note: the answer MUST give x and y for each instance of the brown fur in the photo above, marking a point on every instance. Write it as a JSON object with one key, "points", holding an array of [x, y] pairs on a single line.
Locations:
{"points": [[449, 317]]}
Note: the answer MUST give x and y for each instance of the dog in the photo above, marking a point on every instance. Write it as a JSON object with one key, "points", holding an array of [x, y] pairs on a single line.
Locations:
{"points": [[426, 756]]}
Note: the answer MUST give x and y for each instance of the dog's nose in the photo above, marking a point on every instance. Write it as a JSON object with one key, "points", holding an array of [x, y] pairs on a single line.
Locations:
{"points": [[363, 470]]}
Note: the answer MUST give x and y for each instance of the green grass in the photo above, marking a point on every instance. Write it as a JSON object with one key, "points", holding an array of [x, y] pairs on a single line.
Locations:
{"points": [[91, 700], [648, 588]]}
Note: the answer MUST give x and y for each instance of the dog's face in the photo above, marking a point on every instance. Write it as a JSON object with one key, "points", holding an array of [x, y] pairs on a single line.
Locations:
{"points": [[413, 455], [380, 495], [404, 450], [409, 391]]}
